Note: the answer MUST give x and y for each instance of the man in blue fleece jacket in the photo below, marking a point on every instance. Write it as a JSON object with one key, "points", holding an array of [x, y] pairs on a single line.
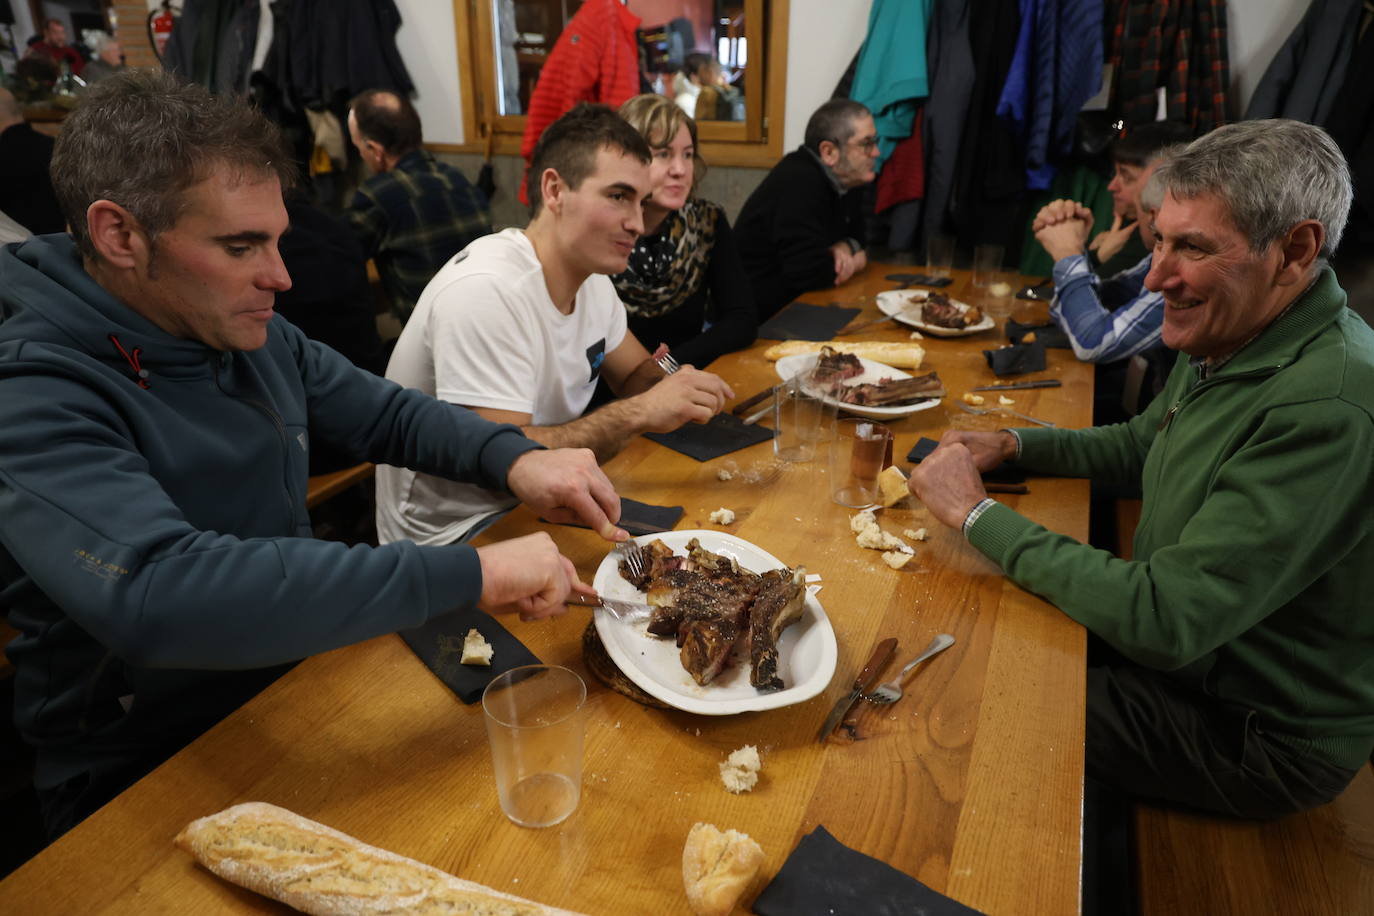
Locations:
{"points": [[155, 427], [1243, 673]]}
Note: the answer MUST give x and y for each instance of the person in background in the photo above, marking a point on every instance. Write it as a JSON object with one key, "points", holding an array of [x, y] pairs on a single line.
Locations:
{"points": [[708, 95], [109, 58], [54, 47], [1236, 670], [685, 285], [801, 228], [1124, 244], [520, 326], [156, 420], [414, 212], [26, 193]]}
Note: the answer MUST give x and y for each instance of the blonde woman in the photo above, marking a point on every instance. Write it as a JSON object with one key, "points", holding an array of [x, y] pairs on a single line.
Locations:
{"points": [[685, 285]]}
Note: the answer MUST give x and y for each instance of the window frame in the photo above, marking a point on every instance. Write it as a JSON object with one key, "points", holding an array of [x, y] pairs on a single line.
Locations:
{"points": [[756, 141]]}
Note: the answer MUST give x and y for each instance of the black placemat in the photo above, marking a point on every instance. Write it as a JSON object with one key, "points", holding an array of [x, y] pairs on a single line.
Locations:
{"points": [[1005, 474], [641, 518], [919, 279], [1017, 359], [823, 876], [802, 321], [723, 435], [439, 644], [1050, 334]]}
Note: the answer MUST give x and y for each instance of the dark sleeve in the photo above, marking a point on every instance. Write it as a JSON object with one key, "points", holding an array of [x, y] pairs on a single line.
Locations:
{"points": [[368, 220], [164, 593], [735, 323], [804, 239]]}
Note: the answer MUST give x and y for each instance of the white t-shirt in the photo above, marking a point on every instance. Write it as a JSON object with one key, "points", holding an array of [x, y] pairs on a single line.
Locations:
{"points": [[486, 334]]}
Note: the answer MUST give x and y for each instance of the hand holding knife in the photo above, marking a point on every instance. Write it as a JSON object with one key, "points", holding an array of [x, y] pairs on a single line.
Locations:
{"points": [[881, 654]]}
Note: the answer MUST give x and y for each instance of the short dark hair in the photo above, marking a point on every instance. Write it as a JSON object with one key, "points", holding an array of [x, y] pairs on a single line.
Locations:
{"points": [[387, 118], [570, 144], [143, 138], [833, 121], [692, 63], [1140, 144]]}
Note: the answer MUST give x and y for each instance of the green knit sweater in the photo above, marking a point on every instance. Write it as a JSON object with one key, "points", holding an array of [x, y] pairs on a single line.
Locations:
{"points": [[1253, 572]]}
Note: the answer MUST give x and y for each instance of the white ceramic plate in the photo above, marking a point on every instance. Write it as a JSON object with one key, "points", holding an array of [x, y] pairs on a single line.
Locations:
{"points": [[789, 366], [806, 650], [896, 302]]}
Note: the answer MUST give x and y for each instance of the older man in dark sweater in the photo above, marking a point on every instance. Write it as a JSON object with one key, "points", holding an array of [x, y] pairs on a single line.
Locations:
{"points": [[800, 230]]}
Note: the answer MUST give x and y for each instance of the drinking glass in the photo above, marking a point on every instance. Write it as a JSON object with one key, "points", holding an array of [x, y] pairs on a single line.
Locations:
{"points": [[534, 724]]}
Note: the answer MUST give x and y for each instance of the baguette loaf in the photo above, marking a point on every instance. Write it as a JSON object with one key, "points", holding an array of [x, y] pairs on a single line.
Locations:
{"points": [[319, 870], [898, 354]]}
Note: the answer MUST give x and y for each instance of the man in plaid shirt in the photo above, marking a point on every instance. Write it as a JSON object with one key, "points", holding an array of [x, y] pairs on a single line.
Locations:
{"points": [[415, 212]]}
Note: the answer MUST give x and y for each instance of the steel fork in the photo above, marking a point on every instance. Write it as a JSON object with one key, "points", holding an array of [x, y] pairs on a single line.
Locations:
{"points": [[632, 555], [891, 692], [667, 364]]}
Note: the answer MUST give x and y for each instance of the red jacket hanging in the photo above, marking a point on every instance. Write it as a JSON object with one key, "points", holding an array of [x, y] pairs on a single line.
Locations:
{"points": [[596, 59]]}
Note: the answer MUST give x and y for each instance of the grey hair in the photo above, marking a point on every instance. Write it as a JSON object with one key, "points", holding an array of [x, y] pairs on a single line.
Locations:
{"points": [[1271, 174], [101, 41], [143, 138], [833, 121], [1152, 195]]}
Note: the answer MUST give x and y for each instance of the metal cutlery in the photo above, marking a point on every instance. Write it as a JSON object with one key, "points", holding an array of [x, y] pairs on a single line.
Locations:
{"points": [[891, 691], [667, 363], [624, 611], [979, 411], [865, 678], [632, 555], [1041, 383]]}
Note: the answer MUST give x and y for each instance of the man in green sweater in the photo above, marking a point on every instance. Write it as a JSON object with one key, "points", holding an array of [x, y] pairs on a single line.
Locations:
{"points": [[1243, 630]]}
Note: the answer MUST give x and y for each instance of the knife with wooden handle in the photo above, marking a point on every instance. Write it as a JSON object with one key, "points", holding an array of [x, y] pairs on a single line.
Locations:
{"points": [[876, 662], [742, 408]]}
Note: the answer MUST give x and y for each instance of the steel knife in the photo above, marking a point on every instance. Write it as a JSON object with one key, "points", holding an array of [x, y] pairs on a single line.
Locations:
{"points": [[1041, 383], [742, 408], [865, 680]]}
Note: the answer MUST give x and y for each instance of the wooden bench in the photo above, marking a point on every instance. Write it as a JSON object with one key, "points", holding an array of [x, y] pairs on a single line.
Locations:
{"points": [[323, 486], [1315, 863]]}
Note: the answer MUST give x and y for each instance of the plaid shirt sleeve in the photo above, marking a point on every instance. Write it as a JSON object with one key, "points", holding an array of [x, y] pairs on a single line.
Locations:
{"points": [[1099, 335]]}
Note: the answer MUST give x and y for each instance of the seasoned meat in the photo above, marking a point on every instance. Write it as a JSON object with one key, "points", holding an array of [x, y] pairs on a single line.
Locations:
{"points": [[778, 605], [709, 604], [894, 392]]}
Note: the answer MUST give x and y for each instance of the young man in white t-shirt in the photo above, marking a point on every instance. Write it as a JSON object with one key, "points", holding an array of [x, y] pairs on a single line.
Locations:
{"points": [[521, 324]]}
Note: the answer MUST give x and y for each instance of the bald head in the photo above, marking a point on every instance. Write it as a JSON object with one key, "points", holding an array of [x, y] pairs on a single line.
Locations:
{"points": [[387, 119], [10, 112]]}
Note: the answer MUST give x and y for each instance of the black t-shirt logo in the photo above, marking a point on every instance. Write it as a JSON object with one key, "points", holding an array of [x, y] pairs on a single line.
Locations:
{"points": [[596, 355]]}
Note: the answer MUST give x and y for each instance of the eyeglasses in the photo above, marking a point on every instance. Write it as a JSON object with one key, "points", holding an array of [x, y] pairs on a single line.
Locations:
{"points": [[867, 144]]}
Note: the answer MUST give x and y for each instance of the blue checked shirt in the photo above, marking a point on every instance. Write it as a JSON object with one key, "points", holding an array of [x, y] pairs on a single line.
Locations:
{"points": [[412, 219], [1106, 321]]}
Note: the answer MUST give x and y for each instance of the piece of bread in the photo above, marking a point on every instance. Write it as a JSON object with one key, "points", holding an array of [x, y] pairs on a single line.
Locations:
{"points": [[717, 868], [319, 870], [740, 771], [898, 354], [476, 649], [891, 486]]}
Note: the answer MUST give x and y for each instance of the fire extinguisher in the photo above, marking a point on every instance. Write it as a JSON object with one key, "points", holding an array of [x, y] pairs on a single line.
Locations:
{"points": [[160, 25]]}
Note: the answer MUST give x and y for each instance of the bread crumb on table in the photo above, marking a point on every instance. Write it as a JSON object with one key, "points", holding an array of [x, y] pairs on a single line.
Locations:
{"points": [[896, 559], [918, 534], [740, 771], [1005, 401], [723, 516], [974, 399], [724, 474]]}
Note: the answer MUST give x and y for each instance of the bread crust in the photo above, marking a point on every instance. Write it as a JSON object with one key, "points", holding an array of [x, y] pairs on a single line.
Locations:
{"points": [[322, 871], [717, 868], [897, 354]]}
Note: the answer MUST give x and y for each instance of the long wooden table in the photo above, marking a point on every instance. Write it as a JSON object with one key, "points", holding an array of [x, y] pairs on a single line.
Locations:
{"points": [[972, 783]]}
